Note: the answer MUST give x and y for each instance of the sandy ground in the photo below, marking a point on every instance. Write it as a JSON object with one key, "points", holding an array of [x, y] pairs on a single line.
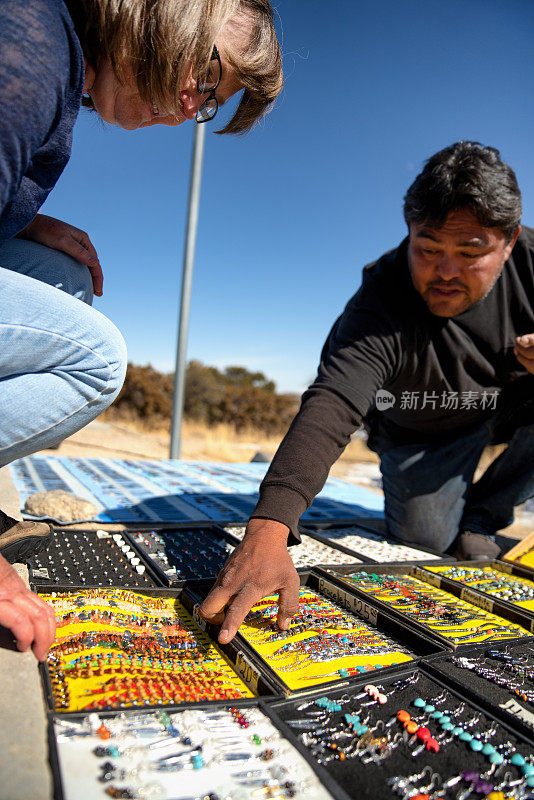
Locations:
{"points": [[108, 439]]}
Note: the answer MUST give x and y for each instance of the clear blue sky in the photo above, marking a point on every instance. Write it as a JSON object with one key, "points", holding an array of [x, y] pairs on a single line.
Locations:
{"points": [[290, 213]]}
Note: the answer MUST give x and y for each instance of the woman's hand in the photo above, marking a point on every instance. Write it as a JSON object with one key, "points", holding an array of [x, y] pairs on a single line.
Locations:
{"points": [[61, 236], [31, 621], [258, 567], [524, 351]]}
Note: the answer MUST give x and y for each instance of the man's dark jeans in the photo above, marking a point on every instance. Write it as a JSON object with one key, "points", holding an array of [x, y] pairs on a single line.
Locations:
{"points": [[429, 492]]}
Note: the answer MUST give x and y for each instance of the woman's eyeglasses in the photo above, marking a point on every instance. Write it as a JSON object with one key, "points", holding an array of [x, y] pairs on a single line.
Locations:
{"points": [[207, 85]]}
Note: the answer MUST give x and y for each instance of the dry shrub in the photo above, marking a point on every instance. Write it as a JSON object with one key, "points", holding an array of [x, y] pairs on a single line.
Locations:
{"points": [[146, 395], [236, 397]]}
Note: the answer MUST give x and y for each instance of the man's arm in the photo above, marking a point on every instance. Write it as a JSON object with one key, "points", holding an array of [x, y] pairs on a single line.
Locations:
{"points": [[359, 356], [261, 565], [317, 437]]}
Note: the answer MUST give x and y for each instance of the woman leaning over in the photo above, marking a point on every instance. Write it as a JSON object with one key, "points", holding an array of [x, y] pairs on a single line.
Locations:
{"points": [[137, 63]]}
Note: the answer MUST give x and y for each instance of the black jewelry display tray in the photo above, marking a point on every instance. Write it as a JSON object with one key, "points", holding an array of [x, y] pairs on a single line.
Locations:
{"points": [[314, 530], [255, 681], [218, 532], [164, 580], [354, 781], [251, 664], [404, 569], [91, 537], [501, 702], [495, 605]]}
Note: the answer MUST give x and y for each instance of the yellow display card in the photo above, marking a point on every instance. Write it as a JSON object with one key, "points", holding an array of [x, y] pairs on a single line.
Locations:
{"points": [[517, 591], [527, 558], [439, 611], [115, 648], [522, 552], [324, 643]]}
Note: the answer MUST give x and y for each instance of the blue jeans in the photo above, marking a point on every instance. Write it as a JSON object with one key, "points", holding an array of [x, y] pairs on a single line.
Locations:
{"points": [[61, 361], [429, 492]]}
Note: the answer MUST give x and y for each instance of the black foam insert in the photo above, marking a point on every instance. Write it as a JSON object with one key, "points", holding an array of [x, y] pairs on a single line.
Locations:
{"points": [[490, 691], [371, 780], [185, 553], [89, 558]]}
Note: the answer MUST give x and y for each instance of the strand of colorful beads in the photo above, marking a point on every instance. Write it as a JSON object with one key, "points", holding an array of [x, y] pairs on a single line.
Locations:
{"points": [[434, 608], [120, 649], [320, 633], [513, 673], [518, 591]]}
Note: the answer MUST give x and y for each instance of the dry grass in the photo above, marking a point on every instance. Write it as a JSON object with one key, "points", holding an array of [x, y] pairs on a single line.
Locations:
{"points": [[357, 451], [119, 436], [222, 443]]}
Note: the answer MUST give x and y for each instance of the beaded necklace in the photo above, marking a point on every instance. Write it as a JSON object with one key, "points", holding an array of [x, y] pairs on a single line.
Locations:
{"points": [[320, 633], [490, 581], [453, 618], [114, 658]]}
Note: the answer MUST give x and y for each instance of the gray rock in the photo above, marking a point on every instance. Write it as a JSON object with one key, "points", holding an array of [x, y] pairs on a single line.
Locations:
{"points": [[60, 505]]}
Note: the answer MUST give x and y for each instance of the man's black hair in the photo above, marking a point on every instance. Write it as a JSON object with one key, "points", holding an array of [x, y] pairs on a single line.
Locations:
{"points": [[465, 175]]}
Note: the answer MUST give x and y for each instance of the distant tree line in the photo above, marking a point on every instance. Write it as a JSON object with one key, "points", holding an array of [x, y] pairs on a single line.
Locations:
{"points": [[234, 396]]}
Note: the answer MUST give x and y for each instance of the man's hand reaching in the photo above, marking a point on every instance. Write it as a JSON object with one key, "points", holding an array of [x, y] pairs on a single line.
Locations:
{"points": [[524, 351], [258, 567]]}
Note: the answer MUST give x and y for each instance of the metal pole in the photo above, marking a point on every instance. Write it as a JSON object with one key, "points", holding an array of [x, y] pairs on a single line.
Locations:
{"points": [[185, 302]]}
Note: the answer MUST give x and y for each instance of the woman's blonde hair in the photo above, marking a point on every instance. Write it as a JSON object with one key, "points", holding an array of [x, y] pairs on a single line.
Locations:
{"points": [[160, 41]]}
